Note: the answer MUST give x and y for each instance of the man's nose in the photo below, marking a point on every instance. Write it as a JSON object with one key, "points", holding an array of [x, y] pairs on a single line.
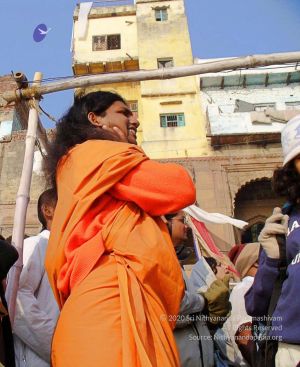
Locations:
{"points": [[134, 120]]}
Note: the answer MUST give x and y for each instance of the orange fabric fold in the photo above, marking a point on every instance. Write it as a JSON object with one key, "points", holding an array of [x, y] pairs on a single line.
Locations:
{"points": [[83, 177], [112, 266]]}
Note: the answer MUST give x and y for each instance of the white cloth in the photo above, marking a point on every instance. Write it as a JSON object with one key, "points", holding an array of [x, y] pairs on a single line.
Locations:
{"points": [[288, 355], [238, 315], [202, 276], [84, 10], [203, 216], [36, 309], [72, 40], [290, 139]]}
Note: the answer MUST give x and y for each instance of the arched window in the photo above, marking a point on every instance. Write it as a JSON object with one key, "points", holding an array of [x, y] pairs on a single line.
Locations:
{"points": [[254, 203]]}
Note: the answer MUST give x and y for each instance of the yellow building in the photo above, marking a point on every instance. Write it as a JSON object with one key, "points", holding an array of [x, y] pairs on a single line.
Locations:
{"points": [[144, 36]]}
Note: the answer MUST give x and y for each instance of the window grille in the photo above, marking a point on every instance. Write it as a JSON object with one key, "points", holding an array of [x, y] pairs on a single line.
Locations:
{"points": [[161, 15], [133, 105], [172, 120], [263, 106], [113, 42], [293, 105], [107, 42]]}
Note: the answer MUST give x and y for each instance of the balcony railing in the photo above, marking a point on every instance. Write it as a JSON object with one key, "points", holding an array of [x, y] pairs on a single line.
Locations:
{"points": [[105, 67]]}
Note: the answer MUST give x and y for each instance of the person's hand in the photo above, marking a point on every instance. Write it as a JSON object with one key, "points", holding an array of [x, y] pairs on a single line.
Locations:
{"points": [[234, 277], [217, 300], [276, 224], [118, 133]]}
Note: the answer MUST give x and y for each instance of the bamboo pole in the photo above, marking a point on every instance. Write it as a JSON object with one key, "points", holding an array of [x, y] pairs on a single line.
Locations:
{"points": [[21, 206], [42, 136], [165, 73]]}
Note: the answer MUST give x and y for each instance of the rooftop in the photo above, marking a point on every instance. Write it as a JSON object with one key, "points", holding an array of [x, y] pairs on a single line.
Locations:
{"points": [[103, 9], [265, 75]]}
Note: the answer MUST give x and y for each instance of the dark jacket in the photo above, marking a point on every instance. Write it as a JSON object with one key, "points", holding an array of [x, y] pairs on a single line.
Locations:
{"points": [[286, 317], [8, 256]]}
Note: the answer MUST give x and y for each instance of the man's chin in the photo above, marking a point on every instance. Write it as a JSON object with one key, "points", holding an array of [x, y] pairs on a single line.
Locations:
{"points": [[132, 140]]}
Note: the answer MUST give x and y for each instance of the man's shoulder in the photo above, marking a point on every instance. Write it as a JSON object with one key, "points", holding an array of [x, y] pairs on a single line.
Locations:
{"points": [[35, 243], [43, 235]]}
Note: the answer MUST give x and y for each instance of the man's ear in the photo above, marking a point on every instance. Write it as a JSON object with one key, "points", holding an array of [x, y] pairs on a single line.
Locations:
{"points": [[94, 119]]}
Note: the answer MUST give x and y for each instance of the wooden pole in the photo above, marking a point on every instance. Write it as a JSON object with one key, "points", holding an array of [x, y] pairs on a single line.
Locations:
{"points": [[165, 73], [42, 136], [21, 206]]}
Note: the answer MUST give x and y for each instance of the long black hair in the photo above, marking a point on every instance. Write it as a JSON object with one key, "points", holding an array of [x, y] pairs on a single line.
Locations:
{"points": [[212, 262], [286, 182], [75, 128]]}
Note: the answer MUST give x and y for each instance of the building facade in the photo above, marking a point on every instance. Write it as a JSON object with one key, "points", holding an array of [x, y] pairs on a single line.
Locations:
{"points": [[224, 128], [144, 36], [245, 113], [13, 122]]}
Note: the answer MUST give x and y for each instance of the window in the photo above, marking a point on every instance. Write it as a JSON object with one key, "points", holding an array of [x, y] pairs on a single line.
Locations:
{"points": [[293, 105], [263, 106], [172, 120], [166, 62], [133, 105], [107, 42], [161, 14]]}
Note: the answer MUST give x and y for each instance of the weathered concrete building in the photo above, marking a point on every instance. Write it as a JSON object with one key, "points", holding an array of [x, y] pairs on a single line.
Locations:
{"points": [[13, 121], [146, 35], [245, 113]]}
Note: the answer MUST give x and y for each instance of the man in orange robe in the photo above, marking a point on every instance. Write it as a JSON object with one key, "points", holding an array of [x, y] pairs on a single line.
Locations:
{"points": [[110, 259]]}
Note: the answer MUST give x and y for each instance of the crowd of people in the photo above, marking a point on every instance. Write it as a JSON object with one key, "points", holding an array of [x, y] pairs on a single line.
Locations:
{"points": [[103, 283]]}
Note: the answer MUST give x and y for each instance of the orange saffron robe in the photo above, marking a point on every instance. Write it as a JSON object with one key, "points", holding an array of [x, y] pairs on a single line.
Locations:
{"points": [[110, 259]]}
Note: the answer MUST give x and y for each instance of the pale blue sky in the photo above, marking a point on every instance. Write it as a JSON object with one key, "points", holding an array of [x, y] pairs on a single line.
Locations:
{"points": [[218, 28]]}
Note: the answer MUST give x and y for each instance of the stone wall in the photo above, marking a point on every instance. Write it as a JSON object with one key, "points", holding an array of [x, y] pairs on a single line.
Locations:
{"points": [[218, 180], [11, 163], [12, 146]]}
